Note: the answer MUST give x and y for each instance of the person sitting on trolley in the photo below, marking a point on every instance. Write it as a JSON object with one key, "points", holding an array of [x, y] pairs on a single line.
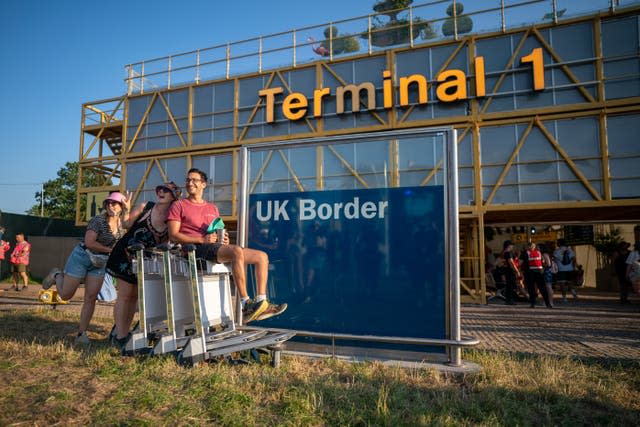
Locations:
{"points": [[148, 227], [188, 220]]}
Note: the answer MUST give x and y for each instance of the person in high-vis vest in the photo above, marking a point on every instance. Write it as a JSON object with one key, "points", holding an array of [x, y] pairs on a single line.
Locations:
{"points": [[534, 276]]}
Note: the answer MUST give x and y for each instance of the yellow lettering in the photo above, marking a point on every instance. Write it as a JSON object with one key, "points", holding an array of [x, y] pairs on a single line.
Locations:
{"points": [[418, 79], [387, 89], [458, 83], [318, 94], [355, 96], [270, 94], [295, 101], [537, 62], [480, 86]]}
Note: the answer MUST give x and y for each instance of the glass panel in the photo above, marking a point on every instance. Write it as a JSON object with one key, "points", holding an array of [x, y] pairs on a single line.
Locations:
{"points": [[219, 169], [137, 107], [496, 144], [308, 257], [624, 189], [202, 99], [178, 102], [135, 171], [579, 137], [539, 193]]}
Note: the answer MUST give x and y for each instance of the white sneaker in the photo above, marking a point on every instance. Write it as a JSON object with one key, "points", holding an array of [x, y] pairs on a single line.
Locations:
{"points": [[50, 279], [82, 339]]}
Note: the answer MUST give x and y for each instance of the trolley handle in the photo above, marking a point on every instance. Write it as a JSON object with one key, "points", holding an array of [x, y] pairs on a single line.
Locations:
{"points": [[135, 247]]}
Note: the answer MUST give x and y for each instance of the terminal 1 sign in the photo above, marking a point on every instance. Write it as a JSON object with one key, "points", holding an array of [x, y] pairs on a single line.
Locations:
{"points": [[451, 85], [362, 262]]}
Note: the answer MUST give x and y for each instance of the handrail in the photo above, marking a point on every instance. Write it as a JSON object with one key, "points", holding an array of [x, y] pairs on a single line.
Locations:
{"points": [[172, 70]]}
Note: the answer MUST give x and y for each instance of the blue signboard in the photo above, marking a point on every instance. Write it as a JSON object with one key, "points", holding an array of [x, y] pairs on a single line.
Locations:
{"points": [[364, 262]]}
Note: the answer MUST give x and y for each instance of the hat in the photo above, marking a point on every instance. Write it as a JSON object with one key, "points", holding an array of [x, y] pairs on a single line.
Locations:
{"points": [[171, 186], [116, 197], [506, 244]]}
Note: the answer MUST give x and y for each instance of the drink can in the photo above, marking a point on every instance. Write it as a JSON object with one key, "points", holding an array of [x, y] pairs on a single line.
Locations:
{"points": [[220, 232]]}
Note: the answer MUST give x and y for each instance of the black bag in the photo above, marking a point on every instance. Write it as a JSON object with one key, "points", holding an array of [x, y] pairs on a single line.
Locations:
{"points": [[566, 257]]}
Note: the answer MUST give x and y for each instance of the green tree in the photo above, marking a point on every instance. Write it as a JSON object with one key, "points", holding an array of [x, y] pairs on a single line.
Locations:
{"points": [[464, 24], [60, 193], [344, 43], [396, 30]]}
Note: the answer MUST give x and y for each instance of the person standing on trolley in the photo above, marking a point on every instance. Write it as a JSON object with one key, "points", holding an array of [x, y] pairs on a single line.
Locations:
{"points": [[149, 228], [188, 221]]}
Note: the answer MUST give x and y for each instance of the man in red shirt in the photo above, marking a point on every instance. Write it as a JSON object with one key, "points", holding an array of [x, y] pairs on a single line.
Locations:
{"points": [[188, 220]]}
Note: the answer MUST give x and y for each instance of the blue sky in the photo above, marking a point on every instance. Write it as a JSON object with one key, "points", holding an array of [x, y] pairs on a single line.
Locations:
{"points": [[55, 55]]}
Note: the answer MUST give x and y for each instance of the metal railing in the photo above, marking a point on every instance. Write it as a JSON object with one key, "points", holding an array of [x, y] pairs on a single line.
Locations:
{"points": [[419, 24]]}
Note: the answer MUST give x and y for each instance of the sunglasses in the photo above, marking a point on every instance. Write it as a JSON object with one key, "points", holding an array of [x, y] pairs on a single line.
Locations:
{"points": [[163, 189], [112, 202]]}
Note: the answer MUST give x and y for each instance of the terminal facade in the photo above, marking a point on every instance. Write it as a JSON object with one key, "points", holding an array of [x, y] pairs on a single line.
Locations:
{"points": [[547, 117]]}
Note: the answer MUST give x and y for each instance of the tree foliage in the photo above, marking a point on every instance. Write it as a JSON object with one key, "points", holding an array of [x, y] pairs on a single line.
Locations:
{"points": [[607, 243], [60, 193], [343, 43], [464, 24], [396, 30]]}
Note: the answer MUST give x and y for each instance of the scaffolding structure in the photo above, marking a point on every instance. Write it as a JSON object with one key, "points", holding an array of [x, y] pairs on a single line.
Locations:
{"points": [[574, 140]]}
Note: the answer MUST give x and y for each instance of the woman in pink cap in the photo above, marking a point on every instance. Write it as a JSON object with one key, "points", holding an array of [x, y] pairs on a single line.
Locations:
{"points": [[87, 262]]}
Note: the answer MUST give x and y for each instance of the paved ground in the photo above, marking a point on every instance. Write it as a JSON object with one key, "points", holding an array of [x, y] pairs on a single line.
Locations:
{"points": [[596, 325]]}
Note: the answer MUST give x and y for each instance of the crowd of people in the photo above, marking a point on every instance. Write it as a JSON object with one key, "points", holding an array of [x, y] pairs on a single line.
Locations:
{"points": [[169, 218], [537, 269]]}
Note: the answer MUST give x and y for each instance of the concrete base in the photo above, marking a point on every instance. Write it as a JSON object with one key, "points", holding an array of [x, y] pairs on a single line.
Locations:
{"points": [[440, 366]]}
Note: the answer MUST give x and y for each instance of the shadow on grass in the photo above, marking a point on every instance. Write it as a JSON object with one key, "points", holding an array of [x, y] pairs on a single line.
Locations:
{"points": [[44, 326]]}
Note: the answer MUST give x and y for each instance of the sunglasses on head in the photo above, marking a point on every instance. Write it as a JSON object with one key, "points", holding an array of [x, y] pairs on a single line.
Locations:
{"points": [[162, 188]]}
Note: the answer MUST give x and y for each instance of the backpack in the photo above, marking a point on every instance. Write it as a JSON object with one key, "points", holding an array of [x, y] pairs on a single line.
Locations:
{"points": [[566, 257]]}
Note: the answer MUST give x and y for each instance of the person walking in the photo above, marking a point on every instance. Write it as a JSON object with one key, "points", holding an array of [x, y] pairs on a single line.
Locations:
{"points": [[534, 276], [87, 261], [620, 266], [633, 268], [149, 227], [511, 272], [20, 261], [566, 260], [549, 270]]}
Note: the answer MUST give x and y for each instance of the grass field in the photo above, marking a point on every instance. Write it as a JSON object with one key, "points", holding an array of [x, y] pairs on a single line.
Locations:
{"points": [[46, 380]]}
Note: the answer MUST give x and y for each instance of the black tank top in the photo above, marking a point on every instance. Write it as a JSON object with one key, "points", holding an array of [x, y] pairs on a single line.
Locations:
{"points": [[142, 231]]}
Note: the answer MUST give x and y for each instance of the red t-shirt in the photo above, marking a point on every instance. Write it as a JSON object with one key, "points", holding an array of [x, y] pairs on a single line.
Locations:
{"points": [[194, 217]]}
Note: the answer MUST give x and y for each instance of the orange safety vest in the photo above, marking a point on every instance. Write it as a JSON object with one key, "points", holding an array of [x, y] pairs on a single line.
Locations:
{"points": [[535, 259]]}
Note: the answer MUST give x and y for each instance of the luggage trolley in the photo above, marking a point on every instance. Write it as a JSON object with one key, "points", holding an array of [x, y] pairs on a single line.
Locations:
{"points": [[189, 311]]}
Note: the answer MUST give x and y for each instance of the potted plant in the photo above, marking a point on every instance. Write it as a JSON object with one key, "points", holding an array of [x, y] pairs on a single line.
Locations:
{"points": [[396, 30]]}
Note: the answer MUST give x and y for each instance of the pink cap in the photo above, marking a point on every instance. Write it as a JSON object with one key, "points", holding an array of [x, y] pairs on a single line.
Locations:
{"points": [[116, 197]]}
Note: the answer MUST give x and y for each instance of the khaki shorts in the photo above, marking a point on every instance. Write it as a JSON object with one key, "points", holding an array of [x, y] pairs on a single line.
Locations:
{"points": [[18, 268]]}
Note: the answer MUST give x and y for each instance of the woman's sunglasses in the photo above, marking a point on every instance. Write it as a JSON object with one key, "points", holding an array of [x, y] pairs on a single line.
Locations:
{"points": [[163, 189]]}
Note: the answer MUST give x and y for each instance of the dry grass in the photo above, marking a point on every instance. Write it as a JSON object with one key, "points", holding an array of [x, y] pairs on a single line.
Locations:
{"points": [[45, 380]]}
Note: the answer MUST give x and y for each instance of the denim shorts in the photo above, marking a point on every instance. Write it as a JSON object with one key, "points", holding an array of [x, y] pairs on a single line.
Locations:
{"points": [[79, 265]]}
